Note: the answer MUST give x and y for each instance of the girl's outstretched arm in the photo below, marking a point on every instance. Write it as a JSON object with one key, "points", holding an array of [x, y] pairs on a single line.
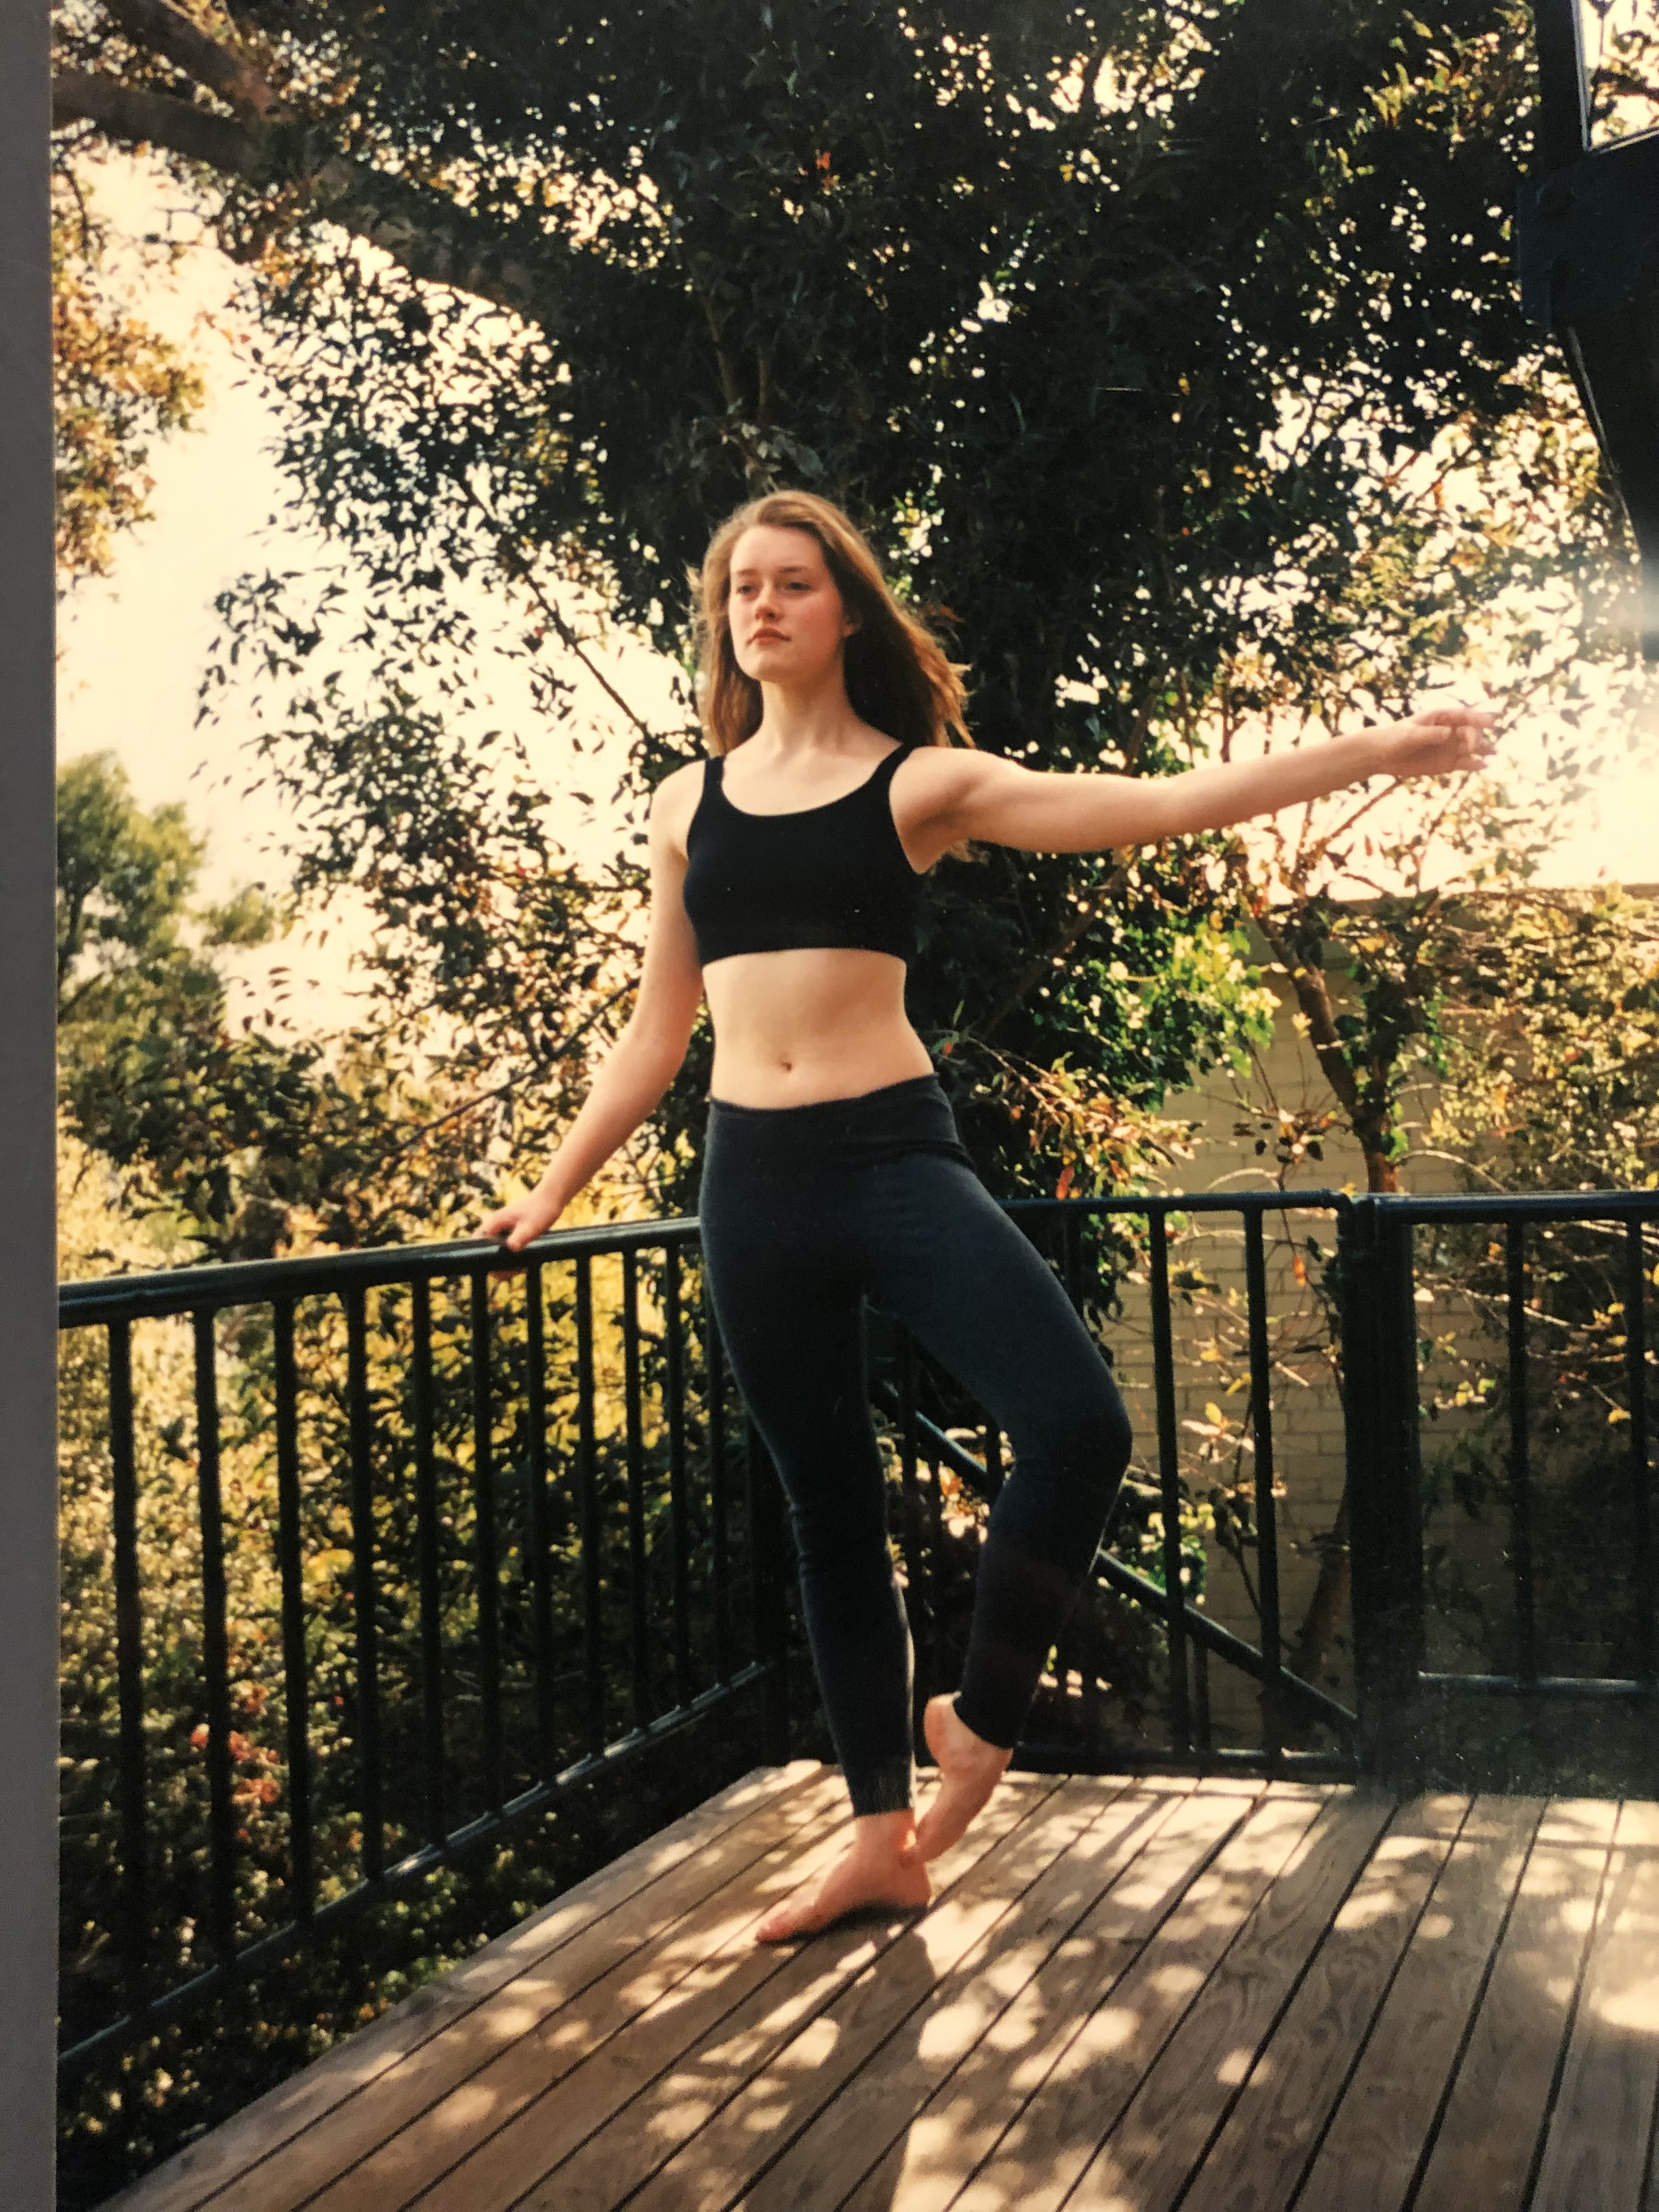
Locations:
{"points": [[980, 796], [644, 1059]]}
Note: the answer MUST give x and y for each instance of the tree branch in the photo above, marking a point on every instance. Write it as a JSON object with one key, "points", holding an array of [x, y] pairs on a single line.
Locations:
{"points": [[430, 237], [155, 118], [167, 31]]}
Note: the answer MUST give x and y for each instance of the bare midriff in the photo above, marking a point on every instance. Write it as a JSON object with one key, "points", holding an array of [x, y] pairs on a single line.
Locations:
{"points": [[794, 1028]]}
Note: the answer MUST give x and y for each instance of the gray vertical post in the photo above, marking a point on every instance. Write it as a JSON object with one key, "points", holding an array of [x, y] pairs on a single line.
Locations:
{"points": [[28, 1583]]}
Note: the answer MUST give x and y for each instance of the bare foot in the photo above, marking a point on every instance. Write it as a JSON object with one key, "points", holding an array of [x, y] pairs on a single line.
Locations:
{"points": [[969, 1769], [883, 1867]]}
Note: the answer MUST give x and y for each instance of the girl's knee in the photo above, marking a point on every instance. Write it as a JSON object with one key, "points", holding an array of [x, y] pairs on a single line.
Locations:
{"points": [[1089, 1441]]}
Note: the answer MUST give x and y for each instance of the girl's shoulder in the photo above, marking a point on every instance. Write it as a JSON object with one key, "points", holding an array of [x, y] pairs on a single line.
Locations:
{"points": [[675, 801], [938, 775]]}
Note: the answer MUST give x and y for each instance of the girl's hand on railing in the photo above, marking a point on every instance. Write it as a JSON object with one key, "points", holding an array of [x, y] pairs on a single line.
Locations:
{"points": [[1442, 741], [515, 1225]]}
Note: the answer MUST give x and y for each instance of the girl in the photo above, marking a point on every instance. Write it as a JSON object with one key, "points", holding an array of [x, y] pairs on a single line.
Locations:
{"points": [[785, 872]]}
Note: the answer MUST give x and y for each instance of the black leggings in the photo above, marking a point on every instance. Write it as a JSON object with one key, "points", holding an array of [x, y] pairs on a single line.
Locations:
{"points": [[806, 1210]]}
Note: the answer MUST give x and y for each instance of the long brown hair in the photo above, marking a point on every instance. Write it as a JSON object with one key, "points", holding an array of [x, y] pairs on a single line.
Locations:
{"points": [[898, 678]]}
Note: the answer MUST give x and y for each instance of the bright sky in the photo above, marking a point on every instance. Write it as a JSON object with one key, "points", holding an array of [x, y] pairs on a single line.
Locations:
{"points": [[134, 648]]}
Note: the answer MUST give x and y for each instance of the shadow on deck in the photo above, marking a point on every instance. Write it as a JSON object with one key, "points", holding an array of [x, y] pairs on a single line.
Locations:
{"points": [[1233, 1996]]}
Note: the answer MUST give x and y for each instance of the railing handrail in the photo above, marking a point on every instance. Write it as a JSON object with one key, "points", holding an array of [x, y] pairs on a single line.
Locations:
{"points": [[187, 1290], [237, 1282], [1519, 1205]]}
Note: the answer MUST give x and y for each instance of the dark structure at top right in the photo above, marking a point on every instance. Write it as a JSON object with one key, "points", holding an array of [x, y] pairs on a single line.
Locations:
{"points": [[1589, 247]]}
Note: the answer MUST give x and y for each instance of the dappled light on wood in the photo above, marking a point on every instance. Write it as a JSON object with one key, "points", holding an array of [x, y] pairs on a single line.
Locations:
{"points": [[1237, 1995]]}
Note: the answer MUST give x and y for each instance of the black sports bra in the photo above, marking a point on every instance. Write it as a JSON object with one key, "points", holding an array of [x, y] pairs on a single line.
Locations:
{"points": [[835, 874]]}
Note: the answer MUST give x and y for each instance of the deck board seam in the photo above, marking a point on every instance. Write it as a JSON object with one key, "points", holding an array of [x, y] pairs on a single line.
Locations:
{"points": [[1442, 2103], [1195, 1873], [782, 2149], [1286, 2001], [1196, 1998], [1063, 1937], [776, 1785], [1558, 2073], [1041, 1790], [565, 2081], [1044, 1803], [1126, 1788], [1250, 1807], [1363, 2041], [694, 1905]]}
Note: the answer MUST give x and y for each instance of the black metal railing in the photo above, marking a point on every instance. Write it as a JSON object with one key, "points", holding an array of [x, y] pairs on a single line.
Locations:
{"points": [[467, 1531], [430, 1467], [1556, 1286]]}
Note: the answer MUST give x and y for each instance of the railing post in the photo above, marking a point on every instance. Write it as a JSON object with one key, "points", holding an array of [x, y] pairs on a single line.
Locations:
{"points": [[766, 1596], [1379, 1405]]}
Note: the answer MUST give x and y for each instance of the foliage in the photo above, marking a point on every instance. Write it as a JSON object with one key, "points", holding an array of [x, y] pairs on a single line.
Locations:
{"points": [[118, 385], [426, 1594], [1175, 352], [1551, 1078], [250, 1136]]}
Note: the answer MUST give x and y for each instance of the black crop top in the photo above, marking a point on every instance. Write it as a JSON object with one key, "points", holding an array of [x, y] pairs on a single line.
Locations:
{"points": [[835, 874]]}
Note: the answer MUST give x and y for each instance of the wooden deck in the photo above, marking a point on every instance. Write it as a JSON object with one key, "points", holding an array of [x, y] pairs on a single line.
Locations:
{"points": [[1227, 1995]]}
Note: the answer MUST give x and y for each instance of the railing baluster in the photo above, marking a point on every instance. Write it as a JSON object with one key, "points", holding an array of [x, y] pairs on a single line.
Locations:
{"points": [[215, 1655], [486, 1548], [639, 1622], [1635, 1367], [363, 1589], [1267, 1517], [539, 1532], [719, 1489], [133, 1792], [587, 1509], [432, 1755], [296, 1674], [679, 1517], [1526, 1619], [1201, 1698], [1169, 1483]]}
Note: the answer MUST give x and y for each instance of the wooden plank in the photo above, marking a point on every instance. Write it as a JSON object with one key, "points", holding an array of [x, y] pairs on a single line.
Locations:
{"points": [[782, 2097], [205, 2168], [1074, 2094], [1371, 2153], [1161, 2134], [572, 2101], [509, 2054], [1596, 2151], [831, 2156], [1256, 2159], [1483, 2152], [580, 2098], [960, 2125], [671, 2115]]}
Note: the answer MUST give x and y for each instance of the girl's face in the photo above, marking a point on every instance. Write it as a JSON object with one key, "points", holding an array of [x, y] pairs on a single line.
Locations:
{"points": [[788, 619]]}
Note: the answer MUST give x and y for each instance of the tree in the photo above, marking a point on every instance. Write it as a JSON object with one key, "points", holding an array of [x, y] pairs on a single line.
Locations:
{"points": [[117, 385], [1122, 329], [246, 1140]]}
